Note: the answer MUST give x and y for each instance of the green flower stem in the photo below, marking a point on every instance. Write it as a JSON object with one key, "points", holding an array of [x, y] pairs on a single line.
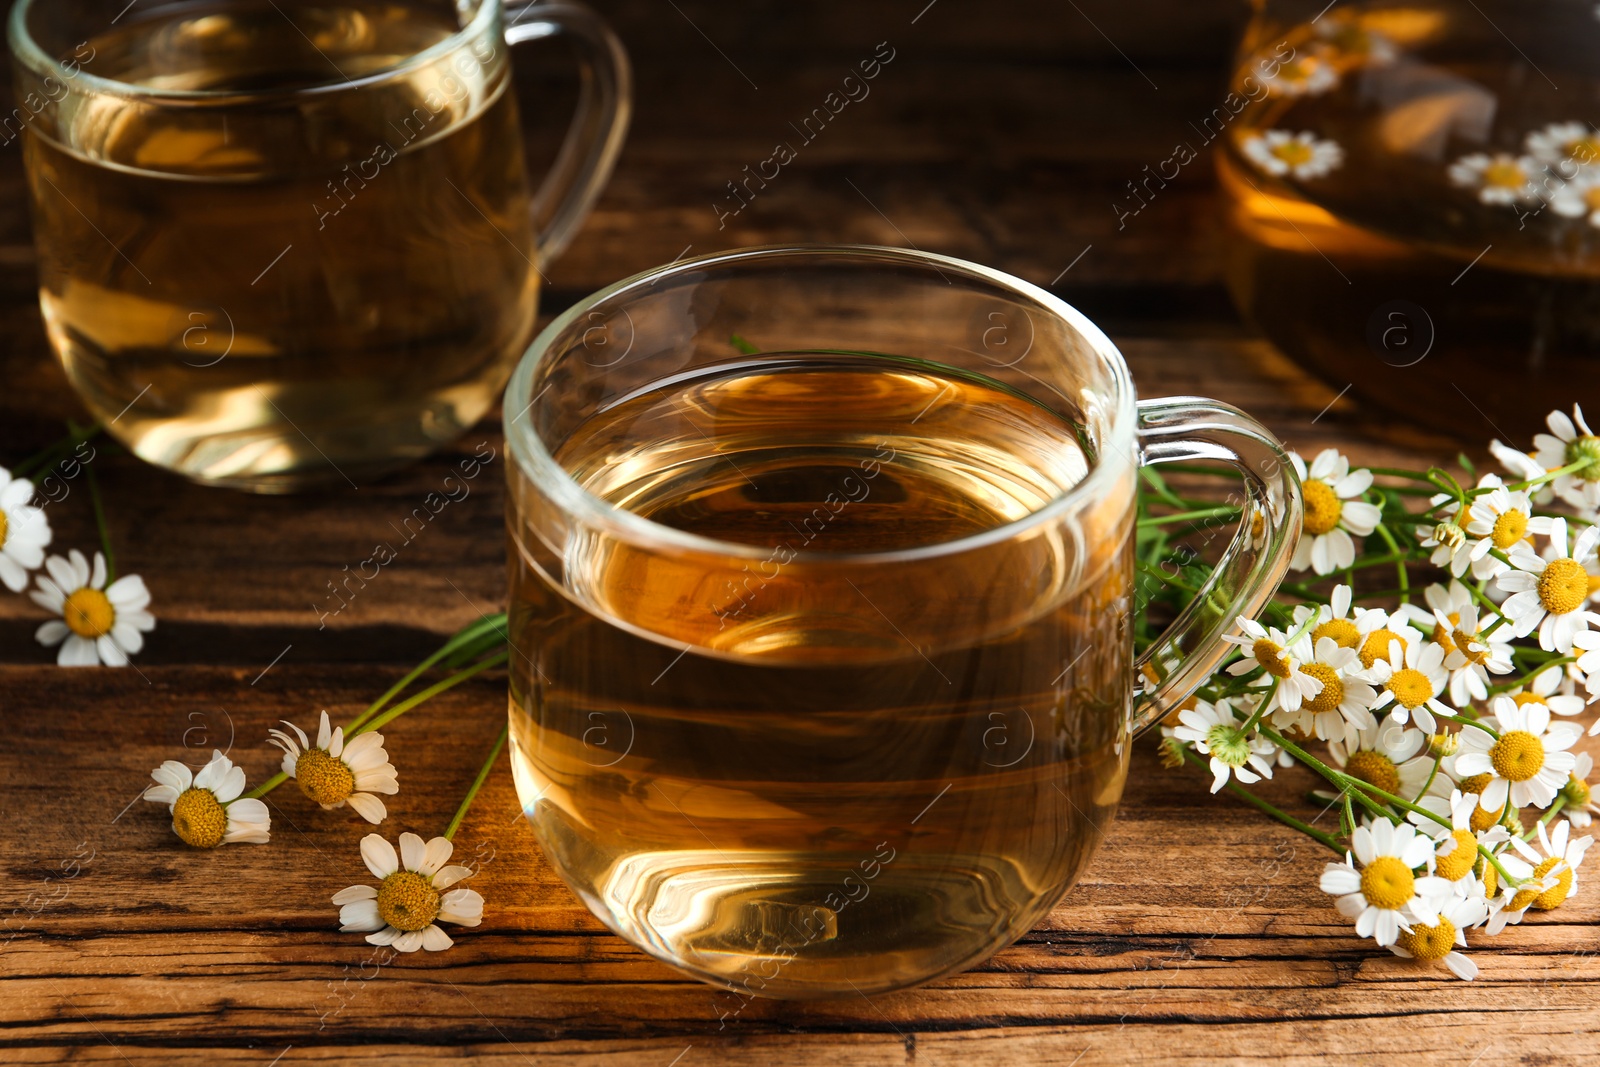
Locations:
{"points": [[1266, 702], [1166, 579], [1282, 816], [1549, 476], [463, 637], [52, 454], [1401, 574], [1464, 721], [1555, 809], [1396, 472], [1348, 784], [1552, 659], [1437, 760], [101, 524], [477, 783], [1190, 516], [432, 691], [1362, 787]]}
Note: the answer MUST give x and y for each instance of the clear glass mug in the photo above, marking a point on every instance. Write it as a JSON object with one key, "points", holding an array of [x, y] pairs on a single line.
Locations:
{"points": [[821, 585], [1414, 189], [288, 242]]}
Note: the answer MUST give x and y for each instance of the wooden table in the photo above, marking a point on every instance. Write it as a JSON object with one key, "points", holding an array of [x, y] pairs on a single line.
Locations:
{"points": [[1000, 133]]}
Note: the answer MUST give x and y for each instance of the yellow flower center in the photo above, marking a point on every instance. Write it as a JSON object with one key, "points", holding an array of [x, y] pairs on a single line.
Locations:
{"points": [[1343, 632], [1524, 699], [1332, 693], [1387, 883], [1564, 586], [407, 901], [1429, 942], [1505, 173], [1270, 655], [1550, 898], [1584, 148], [1293, 153], [1376, 646], [1374, 768], [1517, 756], [1462, 858], [1470, 646], [5, 528], [1509, 528], [1490, 878], [1322, 507], [1410, 687], [1482, 818], [1296, 70], [198, 818], [323, 778], [1441, 634], [88, 613]]}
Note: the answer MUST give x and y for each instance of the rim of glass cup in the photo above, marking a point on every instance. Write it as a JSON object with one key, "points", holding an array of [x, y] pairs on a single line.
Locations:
{"points": [[26, 49], [528, 451]]}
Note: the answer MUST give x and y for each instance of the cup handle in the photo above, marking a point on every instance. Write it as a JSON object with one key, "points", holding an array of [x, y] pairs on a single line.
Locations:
{"points": [[605, 102], [1178, 428]]}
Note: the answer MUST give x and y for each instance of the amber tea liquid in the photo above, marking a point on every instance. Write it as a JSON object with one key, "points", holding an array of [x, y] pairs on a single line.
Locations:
{"points": [[772, 770], [302, 289]]}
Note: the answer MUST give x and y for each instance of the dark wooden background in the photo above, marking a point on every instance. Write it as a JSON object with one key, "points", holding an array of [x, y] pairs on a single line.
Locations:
{"points": [[1001, 132]]}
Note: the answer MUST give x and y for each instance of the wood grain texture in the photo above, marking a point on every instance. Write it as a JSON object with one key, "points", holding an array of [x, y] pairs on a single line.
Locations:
{"points": [[1197, 936]]}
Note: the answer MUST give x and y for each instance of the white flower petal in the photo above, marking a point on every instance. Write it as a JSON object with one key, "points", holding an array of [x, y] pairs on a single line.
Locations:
{"points": [[379, 856]]}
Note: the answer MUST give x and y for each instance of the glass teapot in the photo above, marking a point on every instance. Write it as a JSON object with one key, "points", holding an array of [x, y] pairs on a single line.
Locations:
{"points": [[1414, 195]]}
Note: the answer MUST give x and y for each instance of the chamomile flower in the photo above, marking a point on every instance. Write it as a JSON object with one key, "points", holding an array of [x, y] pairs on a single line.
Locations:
{"points": [[1580, 806], [1347, 627], [1411, 681], [1571, 441], [1470, 657], [1386, 895], [1386, 756], [1564, 142], [1332, 512], [1215, 731], [1509, 903], [1558, 858], [206, 808], [1580, 197], [1273, 652], [1342, 706], [1500, 519], [1303, 75], [24, 532], [414, 896], [335, 772], [1528, 762], [1438, 940], [1300, 155], [1455, 857], [97, 624], [1500, 179], [1551, 595]]}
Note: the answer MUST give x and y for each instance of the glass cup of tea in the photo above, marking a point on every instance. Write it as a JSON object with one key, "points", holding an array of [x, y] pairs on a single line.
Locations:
{"points": [[822, 589], [291, 242]]}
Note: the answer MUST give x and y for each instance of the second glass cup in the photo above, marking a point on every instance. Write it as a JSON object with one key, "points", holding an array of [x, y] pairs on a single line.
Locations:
{"points": [[287, 243], [822, 580]]}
